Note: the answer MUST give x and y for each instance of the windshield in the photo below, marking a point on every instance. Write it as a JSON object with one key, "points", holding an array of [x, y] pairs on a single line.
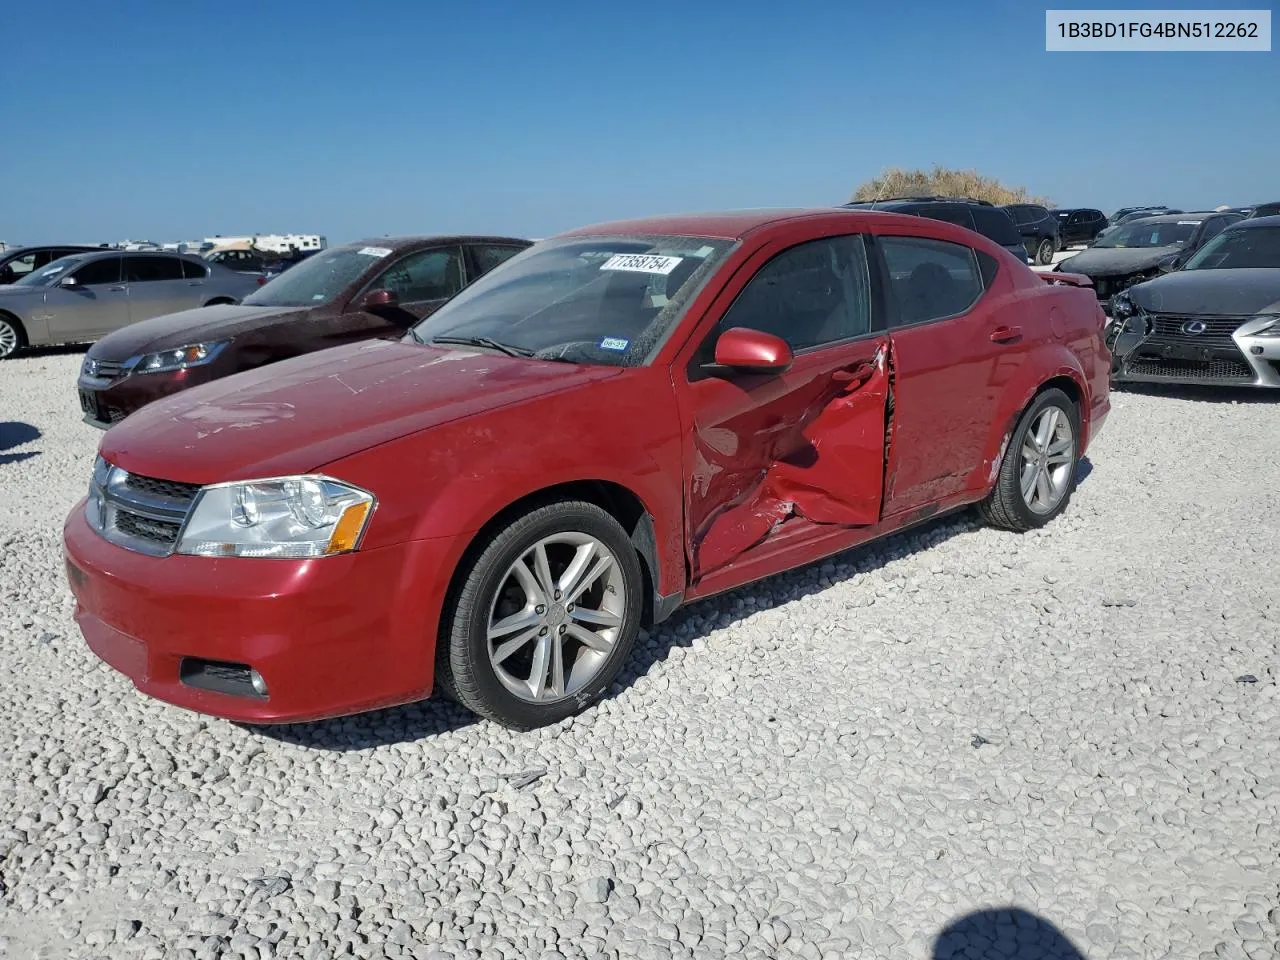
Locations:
{"points": [[604, 300], [1142, 233], [318, 279], [49, 274], [1239, 249]]}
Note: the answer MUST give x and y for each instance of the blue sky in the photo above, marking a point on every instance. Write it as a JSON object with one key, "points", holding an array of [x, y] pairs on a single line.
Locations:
{"points": [[169, 120]]}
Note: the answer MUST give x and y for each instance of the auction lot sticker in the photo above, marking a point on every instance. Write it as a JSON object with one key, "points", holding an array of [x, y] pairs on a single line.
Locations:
{"points": [[1146, 30], [642, 263]]}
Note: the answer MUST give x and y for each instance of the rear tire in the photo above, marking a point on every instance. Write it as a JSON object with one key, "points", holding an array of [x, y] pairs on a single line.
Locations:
{"points": [[12, 337], [543, 618], [1045, 251], [1038, 473]]}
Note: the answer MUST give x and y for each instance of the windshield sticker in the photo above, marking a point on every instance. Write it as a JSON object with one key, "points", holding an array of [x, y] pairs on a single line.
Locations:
{"points": [[317, 296], [374, 251], [642, 263], [703, 252], [617, 343], [1188, 223]]}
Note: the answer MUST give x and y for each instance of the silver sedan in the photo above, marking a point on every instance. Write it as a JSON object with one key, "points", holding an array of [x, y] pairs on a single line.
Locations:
{"points": [[86, 296]]}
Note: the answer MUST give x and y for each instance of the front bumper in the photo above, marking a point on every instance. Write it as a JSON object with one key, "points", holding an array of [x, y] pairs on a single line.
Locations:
{"points": [[1242, 360], [105, 401], [330, 636]]}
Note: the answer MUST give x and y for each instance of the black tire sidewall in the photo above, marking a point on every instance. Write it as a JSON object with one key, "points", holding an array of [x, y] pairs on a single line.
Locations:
{"points": [[1011, 468], [1045, 261], [476, 684]]}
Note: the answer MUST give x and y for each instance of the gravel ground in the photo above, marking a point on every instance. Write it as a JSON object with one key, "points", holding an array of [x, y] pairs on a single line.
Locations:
{"points": [[959, 743]]}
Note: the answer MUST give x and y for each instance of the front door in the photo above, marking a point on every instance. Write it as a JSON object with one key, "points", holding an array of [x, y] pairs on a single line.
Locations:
{"points": [[944, 348], [99, 301], [422, 281], [157, 287], [801, 450]]}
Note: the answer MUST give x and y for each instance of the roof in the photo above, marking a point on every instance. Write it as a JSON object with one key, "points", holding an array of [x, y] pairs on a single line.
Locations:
{"points": [[727, 225], [400, 243], [1175, 217], [1253, 223]]}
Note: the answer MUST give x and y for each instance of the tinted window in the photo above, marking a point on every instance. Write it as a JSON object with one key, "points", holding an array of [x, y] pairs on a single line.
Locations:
{"points": [[945, 212], [106, 270], [488, 256], [19, 267], [1036, 213], [931, 278], [238, 259], [815, 293], [425, 275], [994, 224], [194, 271], [152, 269], [1239, 249]]}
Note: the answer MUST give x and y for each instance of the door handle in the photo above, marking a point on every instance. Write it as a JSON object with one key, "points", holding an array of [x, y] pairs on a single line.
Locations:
{"points": [[850, 374], [1006, 334], [117, 289], [196, 283]]}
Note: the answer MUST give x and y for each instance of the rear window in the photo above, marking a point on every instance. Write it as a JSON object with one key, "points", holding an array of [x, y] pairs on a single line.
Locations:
{"points": [[995, 225]]}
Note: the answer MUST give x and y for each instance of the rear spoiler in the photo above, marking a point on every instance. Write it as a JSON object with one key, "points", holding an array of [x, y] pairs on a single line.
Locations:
{"points": [[1070, 279]]}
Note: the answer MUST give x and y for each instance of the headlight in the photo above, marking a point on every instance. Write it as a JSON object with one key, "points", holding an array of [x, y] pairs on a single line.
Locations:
{"points": [[1121, 306], [1271, 330], [289, 517], [180, 358]]}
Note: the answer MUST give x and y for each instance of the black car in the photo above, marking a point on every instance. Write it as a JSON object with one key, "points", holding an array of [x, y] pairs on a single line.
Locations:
{"points": [[1215, 320], [1144, 248], [979, 216], [17, 262], [1079, 225], [1125, 211], [1039, 230], [1265, 210]]}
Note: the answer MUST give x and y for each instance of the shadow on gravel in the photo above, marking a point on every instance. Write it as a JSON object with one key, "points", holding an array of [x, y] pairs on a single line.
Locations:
{"points": [[413, 721], [62, 350], [1198, 394], [1083, 469], [16, 434], [1009, 934]]}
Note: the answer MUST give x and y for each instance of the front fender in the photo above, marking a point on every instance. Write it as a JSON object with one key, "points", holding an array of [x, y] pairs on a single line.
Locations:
{"points": [[30, 313]]}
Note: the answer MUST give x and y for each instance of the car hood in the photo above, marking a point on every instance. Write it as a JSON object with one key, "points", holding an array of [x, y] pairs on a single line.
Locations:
{"points": [[189, 326], [1232, 293], [1116, 261], [300, 414]]}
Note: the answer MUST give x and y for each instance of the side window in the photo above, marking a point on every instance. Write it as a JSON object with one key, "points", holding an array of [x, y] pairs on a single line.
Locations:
{"points": [[948, 214], [152, 269], [426, 275], [1078, 218], [194, 271], [487, 256], [930, 279], [106, 270], [814, 293], [19, 267]]}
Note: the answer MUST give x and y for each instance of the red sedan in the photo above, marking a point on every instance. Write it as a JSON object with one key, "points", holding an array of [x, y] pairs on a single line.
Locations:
{"points": [[617, 421]]}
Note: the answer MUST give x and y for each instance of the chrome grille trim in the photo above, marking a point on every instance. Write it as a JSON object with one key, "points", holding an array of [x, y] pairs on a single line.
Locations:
{"points": [[143, 514]]}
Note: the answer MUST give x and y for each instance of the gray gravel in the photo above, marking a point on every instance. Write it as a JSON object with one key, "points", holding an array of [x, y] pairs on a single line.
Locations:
{"points": [[852, 760]]}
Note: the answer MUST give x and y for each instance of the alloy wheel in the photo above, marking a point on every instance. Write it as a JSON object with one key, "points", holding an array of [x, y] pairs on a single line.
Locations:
{"points": [[8, 339], [1048, 460], [555, 617]]}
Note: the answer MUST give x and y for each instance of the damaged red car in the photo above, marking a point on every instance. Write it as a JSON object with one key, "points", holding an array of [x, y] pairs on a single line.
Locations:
{"points": [[616, 421]]}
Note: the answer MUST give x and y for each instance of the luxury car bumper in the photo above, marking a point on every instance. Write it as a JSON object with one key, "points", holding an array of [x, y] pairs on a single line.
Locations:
{"points": [[105, 401], [327, 637], [1229, 358]]}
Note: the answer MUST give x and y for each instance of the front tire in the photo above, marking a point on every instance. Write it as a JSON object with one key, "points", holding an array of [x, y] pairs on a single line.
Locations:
{"points": [[1045, 252], [544, 618], [1038, 473], [12, 337]]}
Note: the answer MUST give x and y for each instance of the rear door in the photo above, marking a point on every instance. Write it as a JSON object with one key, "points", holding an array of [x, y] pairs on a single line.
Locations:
{"points": [[99, 302], [157, 286], [796, 451], [944, 355], [483, 257]]}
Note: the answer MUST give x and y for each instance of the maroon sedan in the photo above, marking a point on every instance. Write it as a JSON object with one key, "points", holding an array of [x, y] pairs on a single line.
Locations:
{"points": [[373, 288]]}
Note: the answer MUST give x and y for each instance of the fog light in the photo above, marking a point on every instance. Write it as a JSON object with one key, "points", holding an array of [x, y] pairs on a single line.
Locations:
{"points": [[1255, 350]]}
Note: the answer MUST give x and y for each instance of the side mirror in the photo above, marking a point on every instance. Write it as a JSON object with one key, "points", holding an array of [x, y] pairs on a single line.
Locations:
{"points": [[752, 351], [1169, 263], [380, 300], [68, 282]]}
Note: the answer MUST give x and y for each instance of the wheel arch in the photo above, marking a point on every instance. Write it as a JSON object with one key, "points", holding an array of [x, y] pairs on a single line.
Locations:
{"points": [[219, 301], [19, 327], [617, 500]]}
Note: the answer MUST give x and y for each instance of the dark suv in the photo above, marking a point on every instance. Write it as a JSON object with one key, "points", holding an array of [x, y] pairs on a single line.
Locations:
{"points": [[1039, 230], [979, 216], [1080, 225]]}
